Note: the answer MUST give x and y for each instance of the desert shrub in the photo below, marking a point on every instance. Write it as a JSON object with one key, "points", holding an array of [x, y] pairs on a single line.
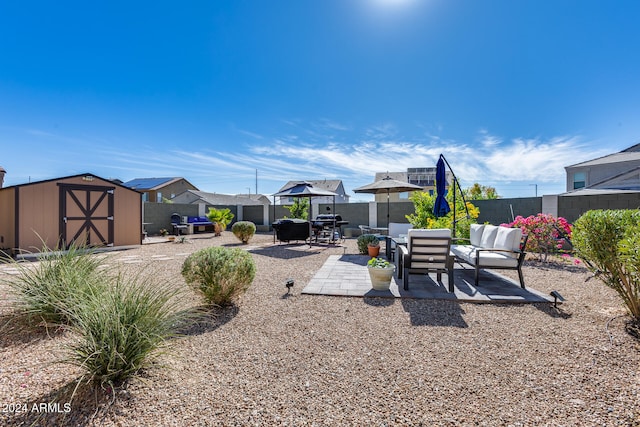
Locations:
{"points": [[220, 274], [609, 241], [546, 232], [364, 240], [50, 288], [243, 230], [123, 329]]}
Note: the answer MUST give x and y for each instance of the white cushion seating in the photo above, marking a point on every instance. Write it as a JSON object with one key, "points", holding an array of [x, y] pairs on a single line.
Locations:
{"points": [[395, 230], [491, 246], [398, 228]]}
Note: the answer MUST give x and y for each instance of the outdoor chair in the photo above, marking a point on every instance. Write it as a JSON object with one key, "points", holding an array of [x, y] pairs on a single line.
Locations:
{"points": [[395, 230], [426, 251]]}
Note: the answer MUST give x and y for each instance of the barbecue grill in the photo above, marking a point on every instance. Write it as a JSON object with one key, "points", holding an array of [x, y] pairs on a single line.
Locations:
{"points": [[328, 225]]}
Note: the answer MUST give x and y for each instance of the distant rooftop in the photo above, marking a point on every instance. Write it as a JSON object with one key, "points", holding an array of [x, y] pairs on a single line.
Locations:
{"points": [[629, 154], [325, 184], [142, 184]]}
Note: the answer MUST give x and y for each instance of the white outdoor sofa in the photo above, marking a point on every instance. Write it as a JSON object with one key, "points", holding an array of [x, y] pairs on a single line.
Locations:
{"points": [[492, 247]]}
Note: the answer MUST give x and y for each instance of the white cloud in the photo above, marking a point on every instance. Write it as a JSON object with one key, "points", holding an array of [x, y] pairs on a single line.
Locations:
{"points": [[328, 150]]}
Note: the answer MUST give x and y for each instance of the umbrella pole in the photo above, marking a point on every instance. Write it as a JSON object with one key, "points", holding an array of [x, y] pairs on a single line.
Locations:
{"points": [[454, 207], [333, 232], [387, 209], [309, 216], [455, 181]]}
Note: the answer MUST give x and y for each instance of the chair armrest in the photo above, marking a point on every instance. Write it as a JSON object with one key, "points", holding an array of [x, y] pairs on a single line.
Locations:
{"points": [[461, 239]]}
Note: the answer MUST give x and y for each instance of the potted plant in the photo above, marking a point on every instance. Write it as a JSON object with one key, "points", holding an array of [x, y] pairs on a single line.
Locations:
{"points": [[163, 232], [380, 272], [373, 248], [364, 240]]}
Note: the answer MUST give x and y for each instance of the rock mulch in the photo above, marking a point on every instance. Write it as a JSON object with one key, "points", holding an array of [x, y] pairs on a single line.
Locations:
{"points": [[297, 360]]}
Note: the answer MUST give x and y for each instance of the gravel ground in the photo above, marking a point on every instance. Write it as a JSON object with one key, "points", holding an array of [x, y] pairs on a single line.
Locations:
{"points": [[297, 360]]}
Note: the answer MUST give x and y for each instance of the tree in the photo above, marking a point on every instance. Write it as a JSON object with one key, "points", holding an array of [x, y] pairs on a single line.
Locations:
{"points": [[424, 218], [300, 208], [480, 192]]}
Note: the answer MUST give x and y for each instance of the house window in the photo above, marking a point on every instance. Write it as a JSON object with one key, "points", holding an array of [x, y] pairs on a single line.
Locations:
{"points": [[159, 197], [579, 180], [145, 197]]}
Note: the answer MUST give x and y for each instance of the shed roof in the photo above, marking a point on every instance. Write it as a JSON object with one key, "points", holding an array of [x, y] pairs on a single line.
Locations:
{"points": [[89, 176]]}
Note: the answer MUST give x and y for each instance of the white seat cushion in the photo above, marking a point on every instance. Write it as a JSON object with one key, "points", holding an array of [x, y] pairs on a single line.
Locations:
{"points": [[493, 259], [463, 251]]}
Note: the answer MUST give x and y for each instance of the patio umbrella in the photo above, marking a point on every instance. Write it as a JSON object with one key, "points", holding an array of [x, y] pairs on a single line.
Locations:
{"points": [[385, 186], [305, 189], [440, 206]]}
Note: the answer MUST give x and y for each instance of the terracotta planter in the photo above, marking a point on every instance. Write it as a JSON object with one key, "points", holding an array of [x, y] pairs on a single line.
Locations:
{"points": [[381, 277], [374, 251]]}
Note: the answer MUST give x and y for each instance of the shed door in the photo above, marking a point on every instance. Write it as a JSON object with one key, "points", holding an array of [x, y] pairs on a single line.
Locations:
{"points": [[86, 214]]}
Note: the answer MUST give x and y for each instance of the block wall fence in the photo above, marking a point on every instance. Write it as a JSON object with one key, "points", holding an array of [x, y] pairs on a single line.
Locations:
{"points": [[498, 211]]}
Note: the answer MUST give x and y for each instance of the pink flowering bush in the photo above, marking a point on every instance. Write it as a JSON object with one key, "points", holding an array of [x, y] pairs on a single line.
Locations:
{"points": [[546, 233]]}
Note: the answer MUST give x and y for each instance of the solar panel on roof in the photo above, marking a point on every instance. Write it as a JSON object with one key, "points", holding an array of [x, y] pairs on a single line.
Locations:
{"points": [[146, 183]]}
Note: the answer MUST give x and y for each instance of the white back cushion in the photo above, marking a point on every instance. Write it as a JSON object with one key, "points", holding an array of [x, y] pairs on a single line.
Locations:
{"points": [[508, 238], [475, 234], [488, 236], [432, 232], [398, 228]]}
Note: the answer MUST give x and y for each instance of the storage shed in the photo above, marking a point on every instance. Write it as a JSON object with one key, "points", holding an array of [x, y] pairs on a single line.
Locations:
{"points": [[84, 208]]}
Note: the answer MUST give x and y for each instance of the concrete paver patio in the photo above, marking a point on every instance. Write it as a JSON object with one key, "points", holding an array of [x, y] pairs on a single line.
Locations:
{"points": [[347, 275]]}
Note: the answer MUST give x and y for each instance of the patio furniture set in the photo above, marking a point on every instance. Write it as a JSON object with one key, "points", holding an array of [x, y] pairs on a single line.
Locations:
{"points": [[421, 251], [190, 224]]}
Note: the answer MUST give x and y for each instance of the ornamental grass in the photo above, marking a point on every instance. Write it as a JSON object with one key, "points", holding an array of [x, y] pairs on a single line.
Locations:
{"points": [[123, 329], [49, 289]]}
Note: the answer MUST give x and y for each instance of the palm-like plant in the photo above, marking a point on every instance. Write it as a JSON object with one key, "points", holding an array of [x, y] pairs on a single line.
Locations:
{"points": [[221, 217]]}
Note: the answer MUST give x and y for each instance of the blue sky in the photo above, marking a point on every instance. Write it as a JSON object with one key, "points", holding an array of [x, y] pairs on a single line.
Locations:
{"points": [[509, 91]]}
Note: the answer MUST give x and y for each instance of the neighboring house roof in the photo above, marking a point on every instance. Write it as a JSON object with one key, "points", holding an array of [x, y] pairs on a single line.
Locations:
{"points": [[326, 184], [150, 184], [596, 192], [629, 154], [262, 198], [632, 148], [627, 180], [195, 196]]}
